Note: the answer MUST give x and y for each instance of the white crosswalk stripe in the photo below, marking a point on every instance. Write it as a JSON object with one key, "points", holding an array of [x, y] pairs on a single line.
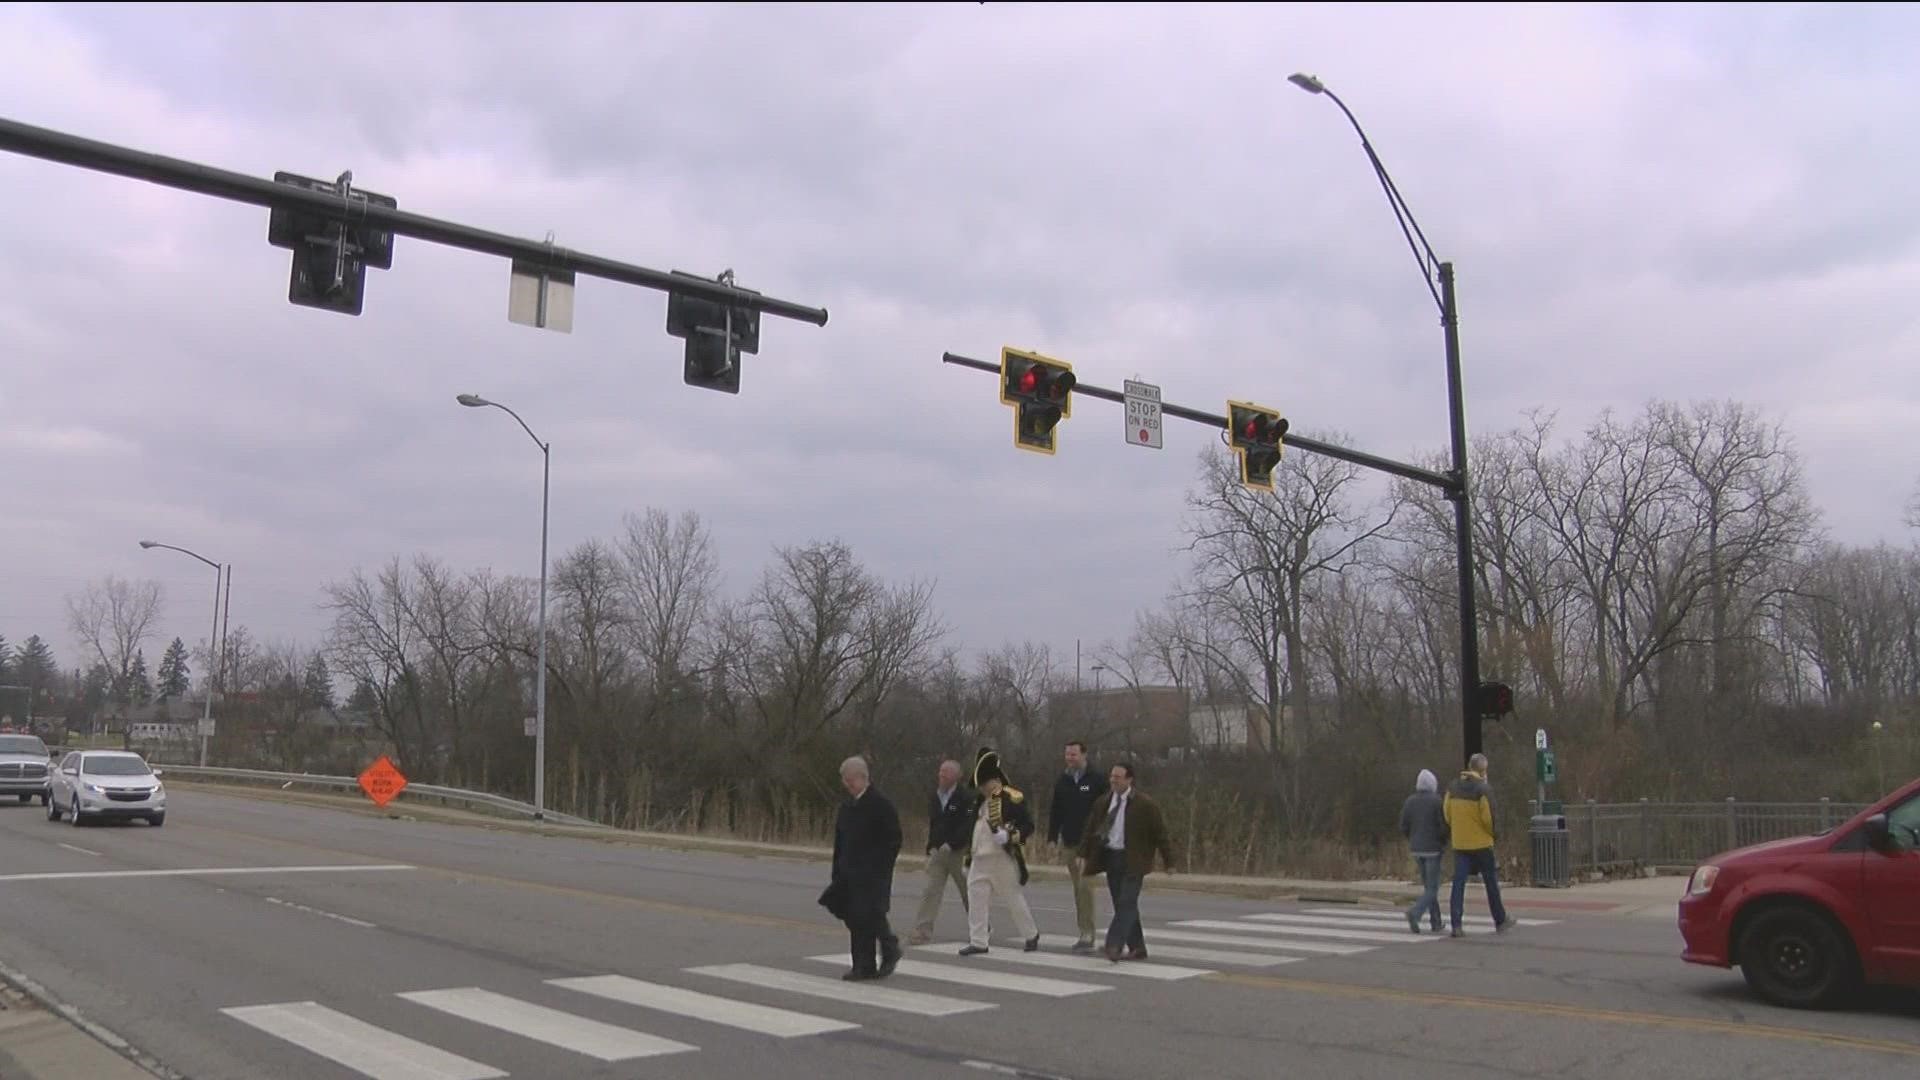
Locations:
{"points": [[368, 1050], [1091, 964], [857, 993], [1379, 936], [1156, 951], [1372, 917], [1244, 941], [562, 1029], [692, 1003], [993, 980]]}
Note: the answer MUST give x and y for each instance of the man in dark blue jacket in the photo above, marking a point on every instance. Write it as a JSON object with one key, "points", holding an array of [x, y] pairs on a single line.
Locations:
{"points": [[949, 828], [1074, 794]]}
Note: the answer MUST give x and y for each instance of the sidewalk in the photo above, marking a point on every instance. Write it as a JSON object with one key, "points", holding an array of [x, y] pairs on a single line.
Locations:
{"points": [[38, 1045], [1646, 897]]}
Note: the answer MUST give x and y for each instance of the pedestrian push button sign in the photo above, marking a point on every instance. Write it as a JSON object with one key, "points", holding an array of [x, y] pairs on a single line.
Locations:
{"points": [[382, 781]]}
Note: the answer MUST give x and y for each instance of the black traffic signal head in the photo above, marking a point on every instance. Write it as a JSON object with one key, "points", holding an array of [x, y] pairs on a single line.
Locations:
{"points": [[1496, 699], [1040, 389], [330, 258], [1256, 433], [716, 335]]}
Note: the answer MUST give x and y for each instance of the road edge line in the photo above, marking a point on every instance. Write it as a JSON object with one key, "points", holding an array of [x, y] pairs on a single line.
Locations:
{"points": [[28, 985]]}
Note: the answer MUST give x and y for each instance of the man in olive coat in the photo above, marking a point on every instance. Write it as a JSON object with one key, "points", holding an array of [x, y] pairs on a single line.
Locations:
{"points": [[866, 841]]}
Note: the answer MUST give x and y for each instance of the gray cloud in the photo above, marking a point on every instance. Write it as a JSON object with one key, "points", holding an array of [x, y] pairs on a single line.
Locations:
{"points": [[1642, 202]]}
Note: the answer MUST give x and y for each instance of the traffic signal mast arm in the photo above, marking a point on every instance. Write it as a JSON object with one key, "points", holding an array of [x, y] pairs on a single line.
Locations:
{"points": [[1311, 446], [238, 187]]}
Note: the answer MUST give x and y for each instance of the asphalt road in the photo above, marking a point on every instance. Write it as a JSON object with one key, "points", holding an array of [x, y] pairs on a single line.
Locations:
{"points": [[425, 949]]}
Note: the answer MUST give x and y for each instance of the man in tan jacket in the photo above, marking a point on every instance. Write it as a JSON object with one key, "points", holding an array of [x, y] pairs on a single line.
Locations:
{"points": [[1123, 833]]}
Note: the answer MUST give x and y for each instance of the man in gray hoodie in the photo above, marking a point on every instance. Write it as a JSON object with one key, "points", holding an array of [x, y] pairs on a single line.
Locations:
{"points": [[1423, 822]]}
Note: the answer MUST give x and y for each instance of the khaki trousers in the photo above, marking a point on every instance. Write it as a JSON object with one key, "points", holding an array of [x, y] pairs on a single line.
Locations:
{"points": [[945, 864], [1082, 894]]}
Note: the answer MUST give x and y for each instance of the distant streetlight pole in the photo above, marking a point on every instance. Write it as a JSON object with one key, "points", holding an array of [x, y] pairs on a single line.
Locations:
{"points": [[475, 401], [1430, 267], [1879, 762], [213, 644]]}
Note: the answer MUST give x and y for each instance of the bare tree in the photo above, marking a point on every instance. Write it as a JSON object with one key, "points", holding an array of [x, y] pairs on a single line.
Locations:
{"points": [[1255, 556], [114, 617], [669, 572]]}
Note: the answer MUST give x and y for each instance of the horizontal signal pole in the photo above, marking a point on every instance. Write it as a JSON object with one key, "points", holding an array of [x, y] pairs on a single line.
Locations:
{"points": [[1312, 446], [66, 149]]}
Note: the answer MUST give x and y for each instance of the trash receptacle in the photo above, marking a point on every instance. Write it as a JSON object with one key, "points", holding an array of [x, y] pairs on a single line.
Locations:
{"points": [[1551, 852]]}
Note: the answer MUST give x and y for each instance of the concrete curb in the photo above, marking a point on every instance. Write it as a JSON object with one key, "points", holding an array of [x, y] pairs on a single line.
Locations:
{"points": [[92, 1049]]}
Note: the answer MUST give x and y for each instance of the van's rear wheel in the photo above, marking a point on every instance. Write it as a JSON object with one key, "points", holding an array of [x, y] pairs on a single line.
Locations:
{"points": [[1797, 958]]}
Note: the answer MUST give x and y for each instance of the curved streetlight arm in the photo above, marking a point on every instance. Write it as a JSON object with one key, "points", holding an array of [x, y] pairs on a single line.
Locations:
{"points": [[181, 550], [523, 425], [1423, 255]]}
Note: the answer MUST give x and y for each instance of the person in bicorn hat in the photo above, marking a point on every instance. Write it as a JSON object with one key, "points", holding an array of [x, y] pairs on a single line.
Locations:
{"points": [[996, 861]]}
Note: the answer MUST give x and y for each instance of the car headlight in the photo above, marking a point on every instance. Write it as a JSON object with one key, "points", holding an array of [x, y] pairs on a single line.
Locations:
{"points": [[92, 788], [1702, 881]]}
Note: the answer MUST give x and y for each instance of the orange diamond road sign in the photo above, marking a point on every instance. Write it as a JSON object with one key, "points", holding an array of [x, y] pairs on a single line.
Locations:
{"points": [[382, 781]]}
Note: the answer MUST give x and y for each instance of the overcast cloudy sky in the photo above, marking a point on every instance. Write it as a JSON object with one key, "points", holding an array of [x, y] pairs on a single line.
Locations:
{"points": [[1647, 201]]}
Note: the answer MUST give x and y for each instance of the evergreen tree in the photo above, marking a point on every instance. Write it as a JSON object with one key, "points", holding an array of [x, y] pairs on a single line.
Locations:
{"points": [[316, 691], [6, 660], [97, 687], [33, 667], [139, 683], [364, 700], [175, 676]]}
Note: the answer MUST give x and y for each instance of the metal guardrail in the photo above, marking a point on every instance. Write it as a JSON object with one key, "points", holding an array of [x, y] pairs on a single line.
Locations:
{"points": [[1647, 833], [446, 796]]}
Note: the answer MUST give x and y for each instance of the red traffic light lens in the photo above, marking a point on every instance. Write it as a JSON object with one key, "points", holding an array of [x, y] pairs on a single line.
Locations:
{"points": [[1028, 380]]}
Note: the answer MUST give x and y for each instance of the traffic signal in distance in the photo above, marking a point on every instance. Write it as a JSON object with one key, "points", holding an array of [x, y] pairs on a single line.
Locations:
{"points": [[1040, 389], [330, 258], [1495, 699], [716, 334], [1256, 433]]}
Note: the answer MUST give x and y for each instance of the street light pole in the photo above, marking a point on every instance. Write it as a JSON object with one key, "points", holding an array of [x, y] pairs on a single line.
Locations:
{"points": [[475, 401], [213, 643], [1443, 296]]}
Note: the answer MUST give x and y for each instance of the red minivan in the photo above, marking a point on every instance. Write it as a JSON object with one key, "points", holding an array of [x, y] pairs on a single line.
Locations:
{"points": [[1810, 919]]}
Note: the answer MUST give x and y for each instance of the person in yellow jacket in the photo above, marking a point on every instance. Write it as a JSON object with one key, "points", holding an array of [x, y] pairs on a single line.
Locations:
{"points": [[1469, 813]]}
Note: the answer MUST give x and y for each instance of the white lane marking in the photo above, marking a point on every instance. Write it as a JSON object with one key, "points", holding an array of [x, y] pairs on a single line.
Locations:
{"points": [[324, 914], [81, 850], [368, 1050], [1177, 952], [1307, 931], [993, 980], [1367, 918], [204, 872], [1009, 1070], [1090, 964], [857, 993], [716, 1010], [1242, 941], [550, 1026]]}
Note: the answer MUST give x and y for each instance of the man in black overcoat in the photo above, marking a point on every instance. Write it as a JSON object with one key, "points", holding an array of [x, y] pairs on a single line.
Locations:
{"points": [[866, 841]]}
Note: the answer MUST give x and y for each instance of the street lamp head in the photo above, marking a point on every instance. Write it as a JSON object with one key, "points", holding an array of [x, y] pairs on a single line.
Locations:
{"points": [[472, 401], [148, 544], [1307, 82]]}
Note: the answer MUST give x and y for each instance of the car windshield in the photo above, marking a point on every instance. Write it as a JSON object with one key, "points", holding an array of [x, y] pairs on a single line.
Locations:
{"points": [[22, 744], [116, 766]]}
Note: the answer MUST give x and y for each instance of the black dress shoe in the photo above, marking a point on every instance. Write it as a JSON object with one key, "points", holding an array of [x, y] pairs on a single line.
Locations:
{"points": [[1033, 943], [973, 950], [859, 975], [889, 959]]}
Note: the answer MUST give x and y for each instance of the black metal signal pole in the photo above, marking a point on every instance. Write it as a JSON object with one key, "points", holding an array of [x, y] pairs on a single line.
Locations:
{"points": [[1458, 490], [68, 149]]}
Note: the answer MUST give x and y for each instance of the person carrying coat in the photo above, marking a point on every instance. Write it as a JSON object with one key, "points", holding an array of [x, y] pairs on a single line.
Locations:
{"points": [[1423, 821], [866, 842]]}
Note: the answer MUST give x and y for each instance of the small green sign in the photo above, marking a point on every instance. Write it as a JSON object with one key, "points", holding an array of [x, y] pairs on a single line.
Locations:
{"points": [[1544, 766]]}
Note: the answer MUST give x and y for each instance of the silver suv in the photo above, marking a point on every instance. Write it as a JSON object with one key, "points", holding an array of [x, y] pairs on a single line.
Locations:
{"points": [[99, 785], [23, 768]]}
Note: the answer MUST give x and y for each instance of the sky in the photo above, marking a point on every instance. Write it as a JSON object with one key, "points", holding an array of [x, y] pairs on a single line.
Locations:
{"points": [[1650, 201]]}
